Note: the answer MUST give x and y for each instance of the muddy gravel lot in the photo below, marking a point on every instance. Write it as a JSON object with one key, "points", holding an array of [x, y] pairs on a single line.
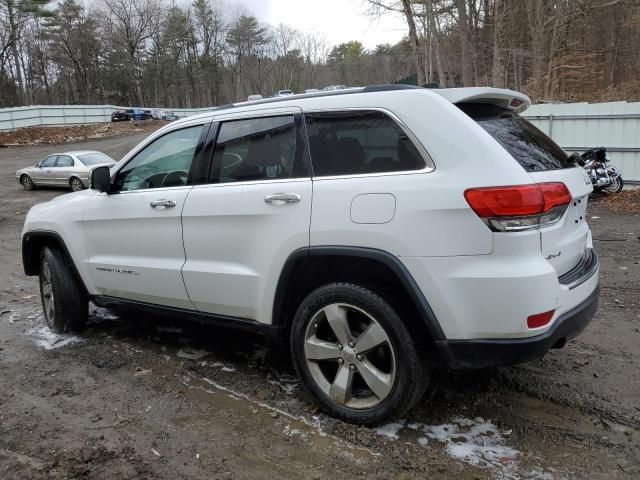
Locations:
{"points": [[137, 396]]}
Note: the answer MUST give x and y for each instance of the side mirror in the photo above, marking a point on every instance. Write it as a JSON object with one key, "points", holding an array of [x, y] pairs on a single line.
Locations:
{"points": [[101, 179]]}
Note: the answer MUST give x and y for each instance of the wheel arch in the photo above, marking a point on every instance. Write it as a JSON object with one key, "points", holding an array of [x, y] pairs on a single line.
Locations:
{"points": [[308, 268], [32, 244]]}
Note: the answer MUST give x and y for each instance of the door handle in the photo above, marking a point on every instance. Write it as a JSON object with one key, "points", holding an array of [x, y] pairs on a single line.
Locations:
{"points": [[282, 197], [163, 203]]}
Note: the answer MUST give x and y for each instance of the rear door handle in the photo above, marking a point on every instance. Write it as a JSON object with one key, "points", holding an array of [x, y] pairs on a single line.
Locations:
{"points": [[281, 198], [163, 203]]}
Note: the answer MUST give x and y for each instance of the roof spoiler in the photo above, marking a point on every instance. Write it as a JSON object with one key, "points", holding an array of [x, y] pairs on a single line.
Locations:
{"points": [[501, 97]]}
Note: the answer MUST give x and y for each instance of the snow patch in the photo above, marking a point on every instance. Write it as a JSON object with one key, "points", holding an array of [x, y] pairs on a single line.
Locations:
{"points": [[49, 340], [390, 430], [192, 353], [476, 441]]}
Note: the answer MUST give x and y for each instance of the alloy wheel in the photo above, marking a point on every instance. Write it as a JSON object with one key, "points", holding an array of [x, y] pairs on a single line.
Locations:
{"points": [[350, 356], [76, 185], [27, 183], [614, 186], [47, 294]]}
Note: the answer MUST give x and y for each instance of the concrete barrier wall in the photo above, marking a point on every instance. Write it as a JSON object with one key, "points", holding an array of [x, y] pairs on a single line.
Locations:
{"points": [[54, 115], [574, 126]]}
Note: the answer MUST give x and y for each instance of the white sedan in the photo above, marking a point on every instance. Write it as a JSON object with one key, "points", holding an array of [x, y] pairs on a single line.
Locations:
{"points": [[68, 169]]}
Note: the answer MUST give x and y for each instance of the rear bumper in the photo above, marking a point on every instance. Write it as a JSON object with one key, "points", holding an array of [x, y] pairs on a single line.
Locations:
{"points": [[459, 354]]}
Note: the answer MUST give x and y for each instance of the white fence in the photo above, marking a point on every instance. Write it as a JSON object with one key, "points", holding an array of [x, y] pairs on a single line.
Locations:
{"points": [[574, 126], [577, 127], [40, 115]]}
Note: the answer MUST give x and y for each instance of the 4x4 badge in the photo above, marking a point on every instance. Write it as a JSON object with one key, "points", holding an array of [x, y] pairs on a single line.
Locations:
{"points": [[553, 255]]}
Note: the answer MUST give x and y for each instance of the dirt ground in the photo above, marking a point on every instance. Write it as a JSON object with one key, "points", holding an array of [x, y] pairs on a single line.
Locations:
{"points": [[147, 397], [75, 133]]}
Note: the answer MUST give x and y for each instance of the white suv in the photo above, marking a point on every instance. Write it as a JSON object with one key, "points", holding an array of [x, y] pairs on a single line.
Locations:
{"points": [[381, 232]]}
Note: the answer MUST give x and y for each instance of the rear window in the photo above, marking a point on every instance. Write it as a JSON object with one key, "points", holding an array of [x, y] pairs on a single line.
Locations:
{"points": [[94, 158], [531, 148]]}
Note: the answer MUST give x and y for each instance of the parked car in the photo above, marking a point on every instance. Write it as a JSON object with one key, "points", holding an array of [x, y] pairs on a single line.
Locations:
{"points": [[282, 93], [169, 116], [332, 88], [139, 114], [253, 98], [120, 116], [68, 169], [156, 114], [379, 233]]}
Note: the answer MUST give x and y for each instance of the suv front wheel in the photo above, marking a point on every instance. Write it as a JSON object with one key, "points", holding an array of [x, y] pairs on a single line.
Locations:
{"points": [[64, 301], [355, 355]]}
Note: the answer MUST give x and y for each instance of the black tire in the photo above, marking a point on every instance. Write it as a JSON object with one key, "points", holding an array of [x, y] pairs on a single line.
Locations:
{"points": [[27, 183], [617, 189], [411, 371], [75, 184], [70, 303]]}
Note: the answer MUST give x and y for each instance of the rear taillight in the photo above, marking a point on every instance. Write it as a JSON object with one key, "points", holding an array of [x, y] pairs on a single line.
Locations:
{"points": [[519, 207], [539, 319]]}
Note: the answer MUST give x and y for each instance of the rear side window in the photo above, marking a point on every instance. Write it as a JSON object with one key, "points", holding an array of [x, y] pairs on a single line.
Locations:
{"points": [[530, 147], [351, 143], [257, 149], [64, 161]]}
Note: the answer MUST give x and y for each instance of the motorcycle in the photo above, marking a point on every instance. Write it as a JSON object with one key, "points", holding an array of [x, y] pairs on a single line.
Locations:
{"points": [[605, 178]]}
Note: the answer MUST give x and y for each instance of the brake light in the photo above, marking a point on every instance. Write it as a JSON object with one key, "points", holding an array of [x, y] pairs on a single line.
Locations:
{"points": [[519, 207], [539, 319]]}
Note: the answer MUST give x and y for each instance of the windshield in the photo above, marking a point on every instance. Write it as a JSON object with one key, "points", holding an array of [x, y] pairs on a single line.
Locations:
{"points": [[95, 158], [530, 147]]}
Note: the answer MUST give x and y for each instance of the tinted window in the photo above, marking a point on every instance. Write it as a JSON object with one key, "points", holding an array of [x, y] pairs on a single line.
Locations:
{"points": [[64, 161], [94, 158], [529, 146], [356, 143], [49, 162], [163, 163], [257, 149]]}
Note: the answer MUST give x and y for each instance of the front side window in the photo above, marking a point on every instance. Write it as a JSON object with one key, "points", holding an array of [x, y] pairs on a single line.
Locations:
{"points": [[64, 161], [163, 163], [351, 143], [256, 149], [49, 162]]}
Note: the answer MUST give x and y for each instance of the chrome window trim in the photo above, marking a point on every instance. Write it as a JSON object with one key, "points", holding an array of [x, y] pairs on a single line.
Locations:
{"points": [[428, 160]]}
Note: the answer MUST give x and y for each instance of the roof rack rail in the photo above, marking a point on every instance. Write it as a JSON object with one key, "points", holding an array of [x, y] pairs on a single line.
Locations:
{"points": [[346, 91]]}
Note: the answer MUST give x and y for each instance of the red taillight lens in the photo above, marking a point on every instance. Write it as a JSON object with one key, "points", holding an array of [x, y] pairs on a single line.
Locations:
{"points": [[518, 200], [539, 319]]}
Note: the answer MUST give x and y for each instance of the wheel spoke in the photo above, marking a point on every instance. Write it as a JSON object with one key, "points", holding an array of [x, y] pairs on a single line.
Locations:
{"points": [[316, 349], [373, 336], [46, 289], [337, 318], [46, 273], [378, 381], [340, 389]]}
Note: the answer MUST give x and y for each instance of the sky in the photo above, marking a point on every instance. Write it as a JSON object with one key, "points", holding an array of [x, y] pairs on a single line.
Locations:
{"points": [[339, 20]]}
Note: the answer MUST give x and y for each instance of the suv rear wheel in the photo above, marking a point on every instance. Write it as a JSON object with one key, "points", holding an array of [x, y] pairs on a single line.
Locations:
{"points": [[355, 355], [64, 301]]}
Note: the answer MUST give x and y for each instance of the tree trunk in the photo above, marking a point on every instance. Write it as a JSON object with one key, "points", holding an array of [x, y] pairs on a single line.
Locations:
{"points": [[499, 23], [414, 41], [13, 36], [464, 33]]}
